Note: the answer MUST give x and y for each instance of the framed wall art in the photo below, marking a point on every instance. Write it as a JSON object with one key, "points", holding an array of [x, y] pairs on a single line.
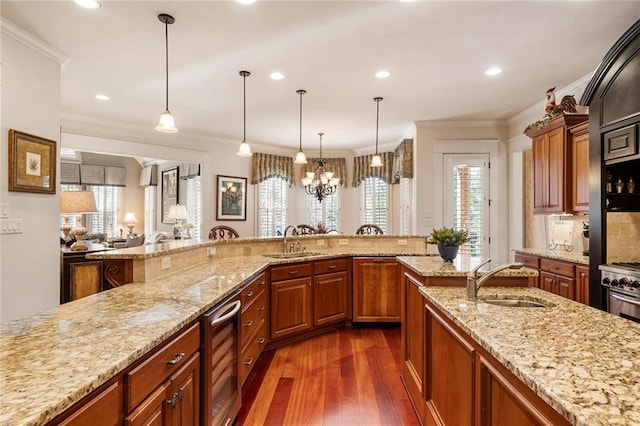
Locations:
{"points": [[32, 163], [231, 198], [169, 192]]}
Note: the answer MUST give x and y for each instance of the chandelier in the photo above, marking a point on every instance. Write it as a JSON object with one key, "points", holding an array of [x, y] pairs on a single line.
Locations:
{"points": [[320, 183]]}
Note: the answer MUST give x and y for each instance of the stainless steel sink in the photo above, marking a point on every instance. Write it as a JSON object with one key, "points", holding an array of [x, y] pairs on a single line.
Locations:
{"points": [[291, 255], [515, 303]]}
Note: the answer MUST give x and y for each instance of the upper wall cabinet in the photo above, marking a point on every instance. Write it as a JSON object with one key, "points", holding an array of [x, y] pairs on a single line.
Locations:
{"points": [[552, 165], [580, 167]]}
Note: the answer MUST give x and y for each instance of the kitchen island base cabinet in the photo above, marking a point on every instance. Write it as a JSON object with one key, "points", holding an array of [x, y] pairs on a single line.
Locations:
{"points": [[465, 385], [330, 298], [376, 289], [291, 306], [104, 409], [413, 326]]}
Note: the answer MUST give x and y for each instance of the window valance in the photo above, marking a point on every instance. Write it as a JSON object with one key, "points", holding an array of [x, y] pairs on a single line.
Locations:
{"points": [[189, 170], [403, 164], [363, 170], [266, 166], [102, 175], [115, 176], [149, 176], [70, 173], [336, 165]]}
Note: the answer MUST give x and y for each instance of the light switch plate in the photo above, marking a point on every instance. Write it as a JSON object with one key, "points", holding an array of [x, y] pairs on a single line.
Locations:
{"points": [[343, 242], [320, 243], [4, 210], [402, 242], [166, 262], [211, 251], [11, 226]]}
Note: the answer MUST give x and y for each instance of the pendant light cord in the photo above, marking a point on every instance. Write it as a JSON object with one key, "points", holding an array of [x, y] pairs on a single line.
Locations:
{"points": [[244, 110], [378, 99], [320, 134], [166, 62], [301, 93]]}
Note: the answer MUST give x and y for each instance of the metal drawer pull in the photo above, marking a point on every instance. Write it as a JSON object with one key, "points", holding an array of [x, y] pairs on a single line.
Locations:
{"points": [[248, 323], [228, 422], [263, 282], [293, 272], [231, 309], [261, 308], [176, 359], [332, 266], [175, 397], [261, 341], [249, 361], [249, 294]]}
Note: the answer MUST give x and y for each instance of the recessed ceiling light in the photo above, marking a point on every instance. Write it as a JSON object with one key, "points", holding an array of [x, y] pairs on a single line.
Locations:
{"points": [[277, 76], [245, 1], [89, 4], [102, 97], [493, 71], [383, 74]]}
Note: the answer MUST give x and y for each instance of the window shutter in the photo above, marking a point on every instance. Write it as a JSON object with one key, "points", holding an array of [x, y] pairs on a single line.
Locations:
{"points": [[272, 206], [374, 202], [468, 209]]}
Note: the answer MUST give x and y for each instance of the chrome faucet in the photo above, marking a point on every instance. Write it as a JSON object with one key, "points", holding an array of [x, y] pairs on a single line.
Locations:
{"points": [[284, 237], [474, 283]]}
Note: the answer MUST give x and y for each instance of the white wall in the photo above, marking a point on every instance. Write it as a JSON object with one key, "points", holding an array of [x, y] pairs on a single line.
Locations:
{"points": [[30, 103]]}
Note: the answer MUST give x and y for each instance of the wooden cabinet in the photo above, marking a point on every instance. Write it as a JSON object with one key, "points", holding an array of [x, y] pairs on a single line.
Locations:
{"points": [[582, 284], [291, 299], [79, 276], [164, 387], [580, 167], [376, 289], [530, 261], [254, 326], [552, 165], [413, 329], [103, 408], [558, 277], [330, 291], [465, 385]]}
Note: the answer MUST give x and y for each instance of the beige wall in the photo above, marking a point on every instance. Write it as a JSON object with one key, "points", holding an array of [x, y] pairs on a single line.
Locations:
{"points": [[30, 261]]}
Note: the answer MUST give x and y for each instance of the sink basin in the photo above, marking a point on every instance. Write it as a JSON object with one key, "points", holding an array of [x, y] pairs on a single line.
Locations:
{"points": [[291, 255], [515, 303]]}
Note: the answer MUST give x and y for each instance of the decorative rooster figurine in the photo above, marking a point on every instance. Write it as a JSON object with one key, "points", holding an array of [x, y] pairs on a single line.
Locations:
{"points": [[567, 104]]}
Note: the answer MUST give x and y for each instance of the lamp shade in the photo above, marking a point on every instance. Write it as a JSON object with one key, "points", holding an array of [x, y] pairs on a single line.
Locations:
{"points": [[130, 217], [177, 212], [77, 202]]}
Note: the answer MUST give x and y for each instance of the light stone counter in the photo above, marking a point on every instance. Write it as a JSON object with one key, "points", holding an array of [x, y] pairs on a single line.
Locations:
{"points": [[583, 362], [569, 256], [434, 266]]}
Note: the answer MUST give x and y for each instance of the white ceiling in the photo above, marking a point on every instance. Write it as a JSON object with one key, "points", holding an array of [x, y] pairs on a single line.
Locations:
{"points": [[437, 52]]}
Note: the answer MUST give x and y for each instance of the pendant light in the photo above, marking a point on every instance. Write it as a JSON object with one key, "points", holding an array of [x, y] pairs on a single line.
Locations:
{"points": [[300, 157], [245, 150], [166, 124], [376, 161]]}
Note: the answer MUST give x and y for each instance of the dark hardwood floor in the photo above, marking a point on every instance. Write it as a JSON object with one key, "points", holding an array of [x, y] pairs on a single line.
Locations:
{"points": [[347, 377]]}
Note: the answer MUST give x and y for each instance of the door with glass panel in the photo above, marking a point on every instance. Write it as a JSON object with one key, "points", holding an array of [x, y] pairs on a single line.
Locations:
{"points": [[466, 203]]}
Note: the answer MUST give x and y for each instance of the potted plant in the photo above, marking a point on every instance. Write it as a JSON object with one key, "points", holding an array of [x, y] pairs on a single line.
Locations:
{"points": [[448, 241]]}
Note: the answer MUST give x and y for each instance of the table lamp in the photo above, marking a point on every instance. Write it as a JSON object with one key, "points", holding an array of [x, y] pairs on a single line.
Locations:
{"points": [[130, 220], [78, 203], [178, 213]]}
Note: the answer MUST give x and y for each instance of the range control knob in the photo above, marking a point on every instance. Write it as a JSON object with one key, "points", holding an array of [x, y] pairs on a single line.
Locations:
{"points": [[635, 284], [606, 281], [624, 282], [614, 282]]}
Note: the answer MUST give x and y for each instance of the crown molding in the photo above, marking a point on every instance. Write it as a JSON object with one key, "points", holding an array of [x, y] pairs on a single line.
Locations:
{"points": [[432, 124], [535, 111], [21, 35]]}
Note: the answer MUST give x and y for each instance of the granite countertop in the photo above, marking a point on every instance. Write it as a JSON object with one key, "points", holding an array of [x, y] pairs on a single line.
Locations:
{"points": [[569, 256], [430, 266], [582, 361]]}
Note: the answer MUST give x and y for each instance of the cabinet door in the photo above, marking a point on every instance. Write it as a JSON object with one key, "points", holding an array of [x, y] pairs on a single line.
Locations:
{"points": [[413, 327], [290, 307], [556, 178], [376, 290], [580, 171], [500, 403], [184, 394], [540, 173], [105, 409], [330, 298], [547, 281], [153, 411], [566, 287], [85, 278], [582, 284], [449, 378]]}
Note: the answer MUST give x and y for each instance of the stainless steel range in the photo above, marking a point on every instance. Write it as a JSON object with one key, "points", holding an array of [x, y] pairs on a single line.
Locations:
{"points": [[622, 281]]}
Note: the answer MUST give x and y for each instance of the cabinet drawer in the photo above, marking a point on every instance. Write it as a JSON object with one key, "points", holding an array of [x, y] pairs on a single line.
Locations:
{"points": [[148, 375], [620, 145], [297, 270], [558, 267], [252, 318], [331, 265], [252, 291], [250, 354], [528, 260]]}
